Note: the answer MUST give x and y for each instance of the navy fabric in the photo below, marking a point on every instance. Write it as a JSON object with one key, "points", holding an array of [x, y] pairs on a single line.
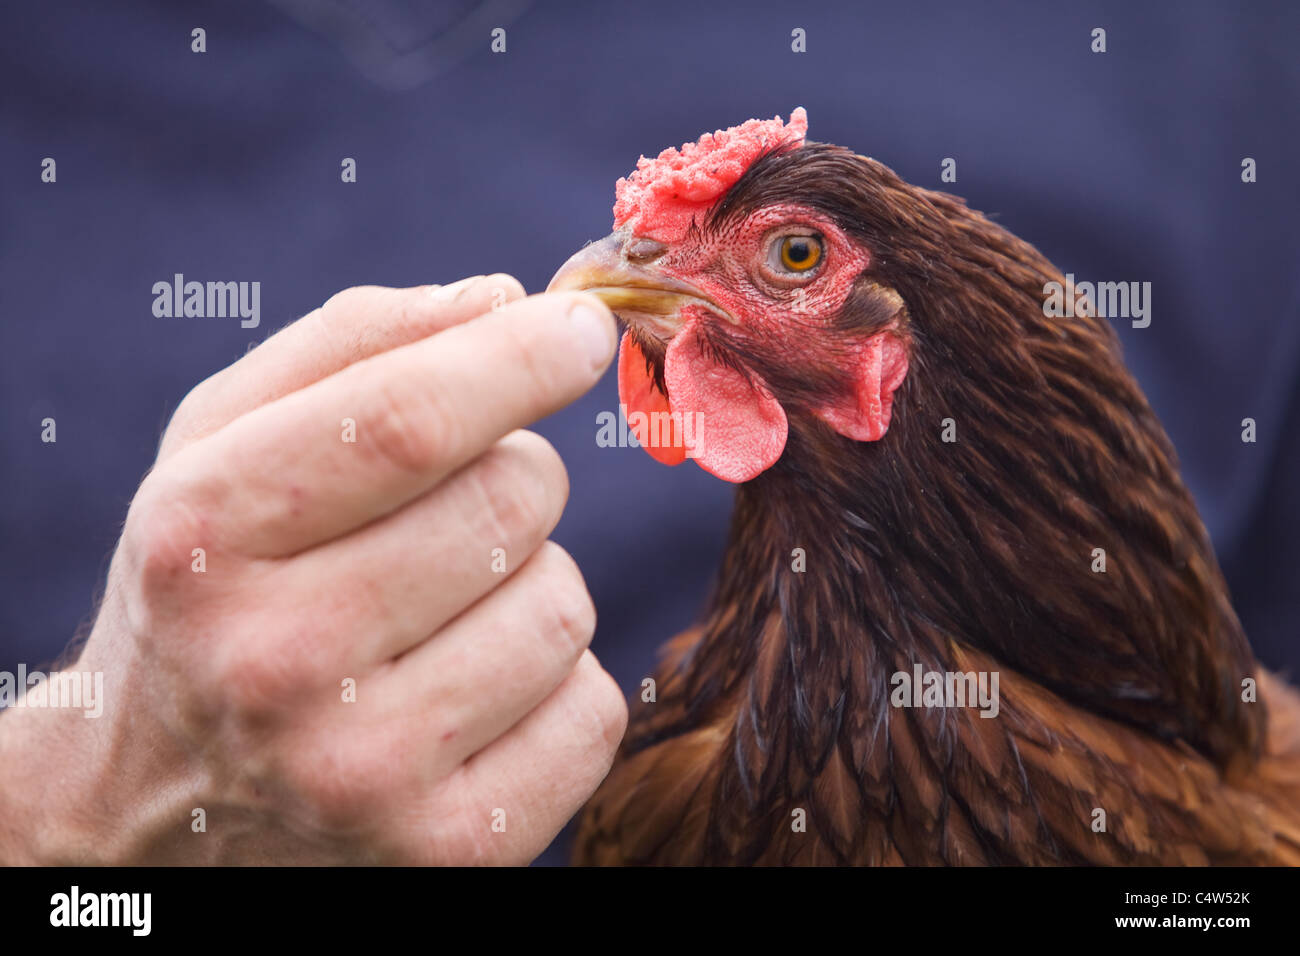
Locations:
{"points": [[225, 166]]}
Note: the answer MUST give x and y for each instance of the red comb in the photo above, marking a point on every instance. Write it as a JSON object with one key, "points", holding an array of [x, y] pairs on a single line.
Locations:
{"points": [[660, 198]]}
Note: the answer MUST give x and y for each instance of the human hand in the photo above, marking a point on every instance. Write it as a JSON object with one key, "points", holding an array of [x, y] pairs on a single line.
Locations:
{"points": [[307, 632]]}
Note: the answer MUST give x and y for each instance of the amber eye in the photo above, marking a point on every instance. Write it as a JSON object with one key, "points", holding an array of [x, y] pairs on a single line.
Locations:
{"points": [[800, 253]]}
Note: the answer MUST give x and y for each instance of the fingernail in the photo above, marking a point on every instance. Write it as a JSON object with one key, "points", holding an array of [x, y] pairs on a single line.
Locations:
{"points": [[596, 328], [448, 293]]}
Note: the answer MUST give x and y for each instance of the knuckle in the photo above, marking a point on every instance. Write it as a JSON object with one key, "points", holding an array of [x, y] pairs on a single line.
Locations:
{"points": [[541, 459], [162, 531], [602, 707], [349, 301], [345, 787], [188, 409], [190, 418], [254, 678], [464, 836], [516, 502], [470, 841], [408, 428], [340, 329], [566, 612]]}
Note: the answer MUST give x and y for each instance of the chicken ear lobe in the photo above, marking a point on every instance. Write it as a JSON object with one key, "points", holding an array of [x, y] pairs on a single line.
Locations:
{"points": [[879, 367], [733, 426]]}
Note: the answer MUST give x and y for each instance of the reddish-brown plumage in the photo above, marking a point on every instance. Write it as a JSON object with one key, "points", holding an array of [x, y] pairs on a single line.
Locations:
{"points": [[1119, 691]]}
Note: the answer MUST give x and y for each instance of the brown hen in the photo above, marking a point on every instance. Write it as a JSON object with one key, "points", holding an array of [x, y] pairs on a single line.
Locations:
{"points": [[935, 477]]}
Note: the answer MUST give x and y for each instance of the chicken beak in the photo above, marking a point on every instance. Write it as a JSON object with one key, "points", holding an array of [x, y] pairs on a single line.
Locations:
{"points": [[619, 270]]}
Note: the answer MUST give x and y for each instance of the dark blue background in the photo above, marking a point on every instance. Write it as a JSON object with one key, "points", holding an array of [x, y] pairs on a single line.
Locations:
{"points": [[225, 166]]}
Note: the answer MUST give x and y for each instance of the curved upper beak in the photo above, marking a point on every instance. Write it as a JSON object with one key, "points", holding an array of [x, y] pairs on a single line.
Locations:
{"points": [[620, 271]]}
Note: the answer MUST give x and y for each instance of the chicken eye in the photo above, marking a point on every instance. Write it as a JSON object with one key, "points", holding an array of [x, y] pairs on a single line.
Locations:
{"points": [[800, 253]]}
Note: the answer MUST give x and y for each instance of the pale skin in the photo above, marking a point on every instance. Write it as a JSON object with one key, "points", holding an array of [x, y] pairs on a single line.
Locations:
{"points": [[330, 563]]}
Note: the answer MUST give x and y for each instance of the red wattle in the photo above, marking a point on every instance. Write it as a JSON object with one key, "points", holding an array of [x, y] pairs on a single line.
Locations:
{"points": [[637, 392]]}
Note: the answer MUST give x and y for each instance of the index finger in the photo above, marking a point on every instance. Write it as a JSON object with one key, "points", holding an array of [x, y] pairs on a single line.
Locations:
{"points": [[359, 444], [354, 324]]}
